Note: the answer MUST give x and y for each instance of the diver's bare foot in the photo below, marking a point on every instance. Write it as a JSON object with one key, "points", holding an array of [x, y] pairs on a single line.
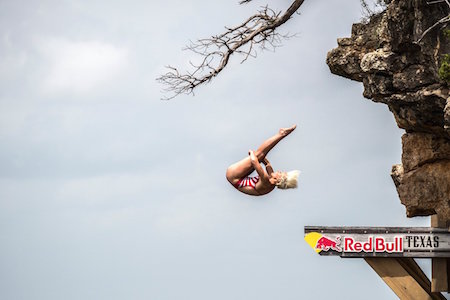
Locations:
{"points": [[286, 131]]}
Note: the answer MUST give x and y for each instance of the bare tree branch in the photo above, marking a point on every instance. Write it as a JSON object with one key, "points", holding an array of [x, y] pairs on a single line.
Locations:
{"points": [[215, 52], [371, 8], [444, 21]]}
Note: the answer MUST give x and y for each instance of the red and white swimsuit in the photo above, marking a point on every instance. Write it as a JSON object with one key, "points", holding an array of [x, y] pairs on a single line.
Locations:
{"points": [[247, 181]]}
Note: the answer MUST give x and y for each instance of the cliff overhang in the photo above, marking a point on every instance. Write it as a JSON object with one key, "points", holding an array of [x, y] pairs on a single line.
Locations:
{"points": [[397, 70]]}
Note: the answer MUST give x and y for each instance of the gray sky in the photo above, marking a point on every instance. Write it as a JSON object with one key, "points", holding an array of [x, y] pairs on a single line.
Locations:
{"points": [[107, 192]]}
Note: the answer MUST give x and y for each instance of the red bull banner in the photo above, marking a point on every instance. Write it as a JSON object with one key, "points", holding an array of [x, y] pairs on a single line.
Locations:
{"points": [[379, 241]]}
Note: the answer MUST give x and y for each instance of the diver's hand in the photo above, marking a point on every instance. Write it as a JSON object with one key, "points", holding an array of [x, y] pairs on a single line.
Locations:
{"points": [[253, 157]]}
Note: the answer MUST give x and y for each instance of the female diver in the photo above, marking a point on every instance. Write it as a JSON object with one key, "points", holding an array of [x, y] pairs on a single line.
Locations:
{"points": [[267, 180]]}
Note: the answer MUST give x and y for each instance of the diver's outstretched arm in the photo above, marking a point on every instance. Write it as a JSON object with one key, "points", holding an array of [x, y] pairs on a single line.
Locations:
{"points": [[269, 168]]}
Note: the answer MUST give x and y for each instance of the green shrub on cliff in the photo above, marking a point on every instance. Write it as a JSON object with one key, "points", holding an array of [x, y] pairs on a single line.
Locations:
{"points": [[444, 70], [446, 33]]}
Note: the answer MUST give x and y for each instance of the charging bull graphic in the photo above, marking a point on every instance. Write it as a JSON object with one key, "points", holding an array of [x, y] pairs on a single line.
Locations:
{"points": [[325, 243], [319, 242]]}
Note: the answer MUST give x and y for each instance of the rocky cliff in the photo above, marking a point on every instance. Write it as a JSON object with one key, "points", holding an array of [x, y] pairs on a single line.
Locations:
{"points": [[402, 73]]}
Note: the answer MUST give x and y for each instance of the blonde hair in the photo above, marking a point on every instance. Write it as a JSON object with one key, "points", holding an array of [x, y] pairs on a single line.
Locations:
{"points": [[289, 180]]}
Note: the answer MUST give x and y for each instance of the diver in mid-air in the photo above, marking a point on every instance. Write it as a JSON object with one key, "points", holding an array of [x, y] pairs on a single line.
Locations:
{"points": [[238, 173]]}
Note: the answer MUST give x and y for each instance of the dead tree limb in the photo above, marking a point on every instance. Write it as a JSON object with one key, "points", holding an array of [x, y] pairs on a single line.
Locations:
{"points": [[443, 22], [371, 8], [215, 52]]}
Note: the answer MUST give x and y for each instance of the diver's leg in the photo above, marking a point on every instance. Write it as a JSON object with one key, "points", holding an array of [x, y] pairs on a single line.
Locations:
{"points": [[239, 170], [264, 149]]}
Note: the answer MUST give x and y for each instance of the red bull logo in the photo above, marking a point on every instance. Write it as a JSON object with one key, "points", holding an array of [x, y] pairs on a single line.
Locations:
{"points": [[325, 243], [320, 242]]}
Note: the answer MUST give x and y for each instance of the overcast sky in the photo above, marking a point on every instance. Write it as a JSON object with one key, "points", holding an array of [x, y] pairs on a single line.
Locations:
{"points": [[107, 192]]}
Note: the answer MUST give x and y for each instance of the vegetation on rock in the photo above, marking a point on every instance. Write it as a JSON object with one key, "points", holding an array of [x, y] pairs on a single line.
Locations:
{"points": [[444, 69]]}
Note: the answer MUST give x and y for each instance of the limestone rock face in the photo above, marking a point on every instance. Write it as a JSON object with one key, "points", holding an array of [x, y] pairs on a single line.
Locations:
{"points": [[402, 73]]}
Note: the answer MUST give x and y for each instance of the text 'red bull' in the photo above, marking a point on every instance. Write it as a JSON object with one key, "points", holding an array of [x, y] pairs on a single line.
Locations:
{"points": [[377, 244]]}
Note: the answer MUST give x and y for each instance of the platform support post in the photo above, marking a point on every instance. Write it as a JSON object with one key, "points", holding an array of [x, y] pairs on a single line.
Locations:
{"points": [[404, 277], [440, 267]]}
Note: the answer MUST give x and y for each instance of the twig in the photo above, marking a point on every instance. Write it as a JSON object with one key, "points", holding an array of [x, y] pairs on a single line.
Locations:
{"points": [[443, 21], [216, 51]]}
